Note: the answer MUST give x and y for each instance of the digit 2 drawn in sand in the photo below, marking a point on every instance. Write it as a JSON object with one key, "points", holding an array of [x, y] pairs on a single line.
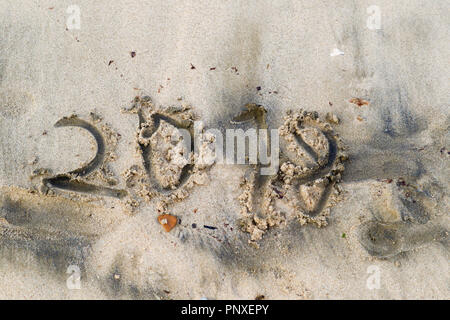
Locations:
{"points": [[76, 180], [311, 163]]}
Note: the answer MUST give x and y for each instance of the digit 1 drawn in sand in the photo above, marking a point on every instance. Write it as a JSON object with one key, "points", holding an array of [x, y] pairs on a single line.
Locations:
{"points": [[256, 200], [72, 181], [311, 165]]}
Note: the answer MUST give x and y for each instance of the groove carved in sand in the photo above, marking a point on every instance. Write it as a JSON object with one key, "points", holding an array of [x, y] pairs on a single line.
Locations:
{"points": [[165, 140], [311, 164], [78, 179]]}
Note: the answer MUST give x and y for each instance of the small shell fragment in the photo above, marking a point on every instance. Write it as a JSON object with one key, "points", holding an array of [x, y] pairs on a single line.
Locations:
{"points": [[168, 221]]}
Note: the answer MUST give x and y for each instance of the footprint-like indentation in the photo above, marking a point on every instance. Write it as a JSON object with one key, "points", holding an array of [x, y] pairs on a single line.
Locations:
{"points": [[73, 180], [402, 214], [383, 240]]}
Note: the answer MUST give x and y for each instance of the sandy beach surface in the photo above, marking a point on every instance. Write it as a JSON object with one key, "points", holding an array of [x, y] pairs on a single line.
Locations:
{"points": [[97, 201]]}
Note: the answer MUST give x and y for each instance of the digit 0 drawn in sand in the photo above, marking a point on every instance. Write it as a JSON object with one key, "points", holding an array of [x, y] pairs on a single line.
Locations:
{"points": [[78, 180], [311, 164], [165, 140]]}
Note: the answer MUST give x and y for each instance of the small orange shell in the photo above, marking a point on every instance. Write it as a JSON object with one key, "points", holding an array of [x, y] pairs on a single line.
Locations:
{"points": [[168, 221]]}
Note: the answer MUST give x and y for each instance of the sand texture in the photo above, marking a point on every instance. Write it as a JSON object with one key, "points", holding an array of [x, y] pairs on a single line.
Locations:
{"points": [[106, 192]]}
